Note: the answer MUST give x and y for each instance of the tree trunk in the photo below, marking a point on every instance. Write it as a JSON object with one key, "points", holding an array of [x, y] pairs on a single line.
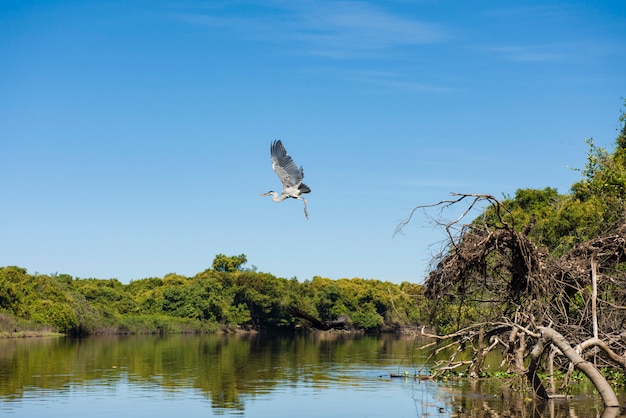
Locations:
{"points": [[535, 357], [603, 387], [594, 292], [480, 354]]}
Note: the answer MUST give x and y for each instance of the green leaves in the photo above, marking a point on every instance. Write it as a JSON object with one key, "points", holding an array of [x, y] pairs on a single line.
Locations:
{"points": [[211, 299], [228, 264], [370, 304]]}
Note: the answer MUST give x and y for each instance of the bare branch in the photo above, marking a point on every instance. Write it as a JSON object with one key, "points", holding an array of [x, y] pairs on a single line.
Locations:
{"points": [[500, 288], [442, 203]]}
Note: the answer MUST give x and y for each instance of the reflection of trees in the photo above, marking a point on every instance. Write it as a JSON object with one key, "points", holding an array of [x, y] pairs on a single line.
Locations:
{"points": [[226, 368], [32, 362]]}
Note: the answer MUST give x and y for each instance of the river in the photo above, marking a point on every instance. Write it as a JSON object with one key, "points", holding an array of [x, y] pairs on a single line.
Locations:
{"points": [[250, 375]]}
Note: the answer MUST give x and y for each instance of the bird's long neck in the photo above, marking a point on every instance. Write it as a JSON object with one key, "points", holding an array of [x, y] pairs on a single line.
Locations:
{"points": [[280, 198]]}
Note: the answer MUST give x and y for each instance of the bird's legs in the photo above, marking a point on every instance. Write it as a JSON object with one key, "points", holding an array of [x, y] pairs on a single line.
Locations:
{"points": [[305, 212]]}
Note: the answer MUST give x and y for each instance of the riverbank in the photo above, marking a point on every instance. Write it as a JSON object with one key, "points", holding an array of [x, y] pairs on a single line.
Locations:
{"points": [[29, 334], [24, 332]]}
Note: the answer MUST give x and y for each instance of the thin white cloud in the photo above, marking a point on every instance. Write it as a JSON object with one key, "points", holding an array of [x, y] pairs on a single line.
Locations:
{"points": [[337, 29], [362, 26], [548, 33], [559, 51]]}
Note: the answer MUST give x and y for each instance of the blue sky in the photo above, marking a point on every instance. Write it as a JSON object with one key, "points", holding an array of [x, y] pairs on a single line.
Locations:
{"points": [[134, 135]]}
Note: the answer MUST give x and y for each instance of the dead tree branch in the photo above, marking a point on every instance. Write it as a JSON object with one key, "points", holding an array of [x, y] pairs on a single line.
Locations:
{"points": [[499, 288]]}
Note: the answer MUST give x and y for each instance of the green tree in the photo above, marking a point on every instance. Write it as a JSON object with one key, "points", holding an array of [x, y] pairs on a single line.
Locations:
{"points": [[225, 263], [10, 294], [267, 297]]}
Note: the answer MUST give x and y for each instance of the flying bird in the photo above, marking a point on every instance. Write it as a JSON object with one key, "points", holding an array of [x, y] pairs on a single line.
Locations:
{"points": [[289, 174]]}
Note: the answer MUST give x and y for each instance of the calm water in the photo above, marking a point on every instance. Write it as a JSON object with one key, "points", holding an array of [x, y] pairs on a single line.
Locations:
{"points": [[327, 375]]}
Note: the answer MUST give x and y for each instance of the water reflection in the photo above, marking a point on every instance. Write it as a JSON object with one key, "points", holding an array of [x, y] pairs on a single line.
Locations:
{"points": [[492, 397], [225, 370], [251, 375]]}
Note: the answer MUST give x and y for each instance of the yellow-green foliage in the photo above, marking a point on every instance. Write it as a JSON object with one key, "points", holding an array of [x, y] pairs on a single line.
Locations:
{"points": [[41, 299], [560, 220], [370, 304], [205, 302]]}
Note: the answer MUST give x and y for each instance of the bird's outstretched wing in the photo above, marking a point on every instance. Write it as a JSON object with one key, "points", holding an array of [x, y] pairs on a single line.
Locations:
{"points": [[288, 173]]}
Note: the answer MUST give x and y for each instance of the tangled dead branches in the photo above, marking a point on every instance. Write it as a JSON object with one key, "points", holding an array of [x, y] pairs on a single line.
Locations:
{"points": [[510, 293]]}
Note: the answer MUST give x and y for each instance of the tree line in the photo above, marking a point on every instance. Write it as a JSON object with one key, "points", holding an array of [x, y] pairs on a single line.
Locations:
{"points": [[223, 297]]}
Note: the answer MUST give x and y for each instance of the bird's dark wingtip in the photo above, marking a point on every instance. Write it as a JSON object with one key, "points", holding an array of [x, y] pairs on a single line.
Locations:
{"points": [[277, 149], [304, 188], [276, 144]]}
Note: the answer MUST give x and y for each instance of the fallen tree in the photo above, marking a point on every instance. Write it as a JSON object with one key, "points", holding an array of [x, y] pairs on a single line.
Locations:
{"points": [[502, 291], [549, 335], [340, 323]]}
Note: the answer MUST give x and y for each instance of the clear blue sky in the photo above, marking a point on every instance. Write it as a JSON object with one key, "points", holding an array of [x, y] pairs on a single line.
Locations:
{"points": [[134, 135]]}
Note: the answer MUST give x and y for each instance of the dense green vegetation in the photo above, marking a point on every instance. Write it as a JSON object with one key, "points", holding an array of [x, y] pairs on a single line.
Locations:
{"points": [[228, 370], [224, 297]]}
